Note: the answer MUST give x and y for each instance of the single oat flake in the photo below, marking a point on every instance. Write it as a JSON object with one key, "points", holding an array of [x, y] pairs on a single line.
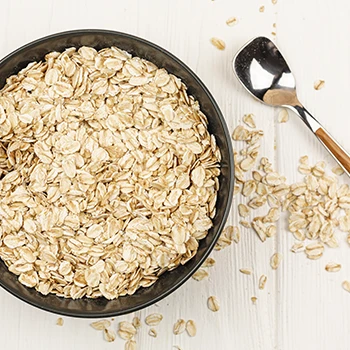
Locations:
{"points": [[283, 116], [179, 326], [232, 21], [60, 321], [130, 345], [153, 319], [209, 262], [191, 328], [275, 260], [200, 275], [109, 335], [213, 304], [218, 43], [136, 322], [262, 281], [153, 333], [126, 330], [249, 120], [333, 267], [246, 271], [243, 210], [100, 325], [319, 84], [346, 286], [338, 170]]}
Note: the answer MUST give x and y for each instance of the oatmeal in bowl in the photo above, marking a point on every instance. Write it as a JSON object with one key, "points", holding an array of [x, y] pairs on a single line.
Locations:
{"points": [[109, 174]]}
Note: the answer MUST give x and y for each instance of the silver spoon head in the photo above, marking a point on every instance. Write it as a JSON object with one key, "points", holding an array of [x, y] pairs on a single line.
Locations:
{"points": [[263, 71]]}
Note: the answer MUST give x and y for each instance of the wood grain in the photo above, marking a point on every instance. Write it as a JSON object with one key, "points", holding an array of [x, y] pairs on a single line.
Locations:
{"points": [[302, 306], [342, 157]]}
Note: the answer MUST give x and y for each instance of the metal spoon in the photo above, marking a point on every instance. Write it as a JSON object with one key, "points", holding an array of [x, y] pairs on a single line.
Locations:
{"points": [[263, 71]]}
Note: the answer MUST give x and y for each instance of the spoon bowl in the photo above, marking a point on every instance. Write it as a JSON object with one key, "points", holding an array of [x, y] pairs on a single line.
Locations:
{"points": [[264, 72]]}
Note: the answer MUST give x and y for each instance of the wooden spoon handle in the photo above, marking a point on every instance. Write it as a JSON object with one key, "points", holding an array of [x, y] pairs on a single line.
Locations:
{"points": [[333, 147]]}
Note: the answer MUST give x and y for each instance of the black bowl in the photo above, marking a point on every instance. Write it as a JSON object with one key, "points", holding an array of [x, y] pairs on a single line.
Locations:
{"points": [[171, 280]]}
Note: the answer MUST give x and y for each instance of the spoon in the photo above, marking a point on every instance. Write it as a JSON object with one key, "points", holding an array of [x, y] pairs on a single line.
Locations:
{"points": [[263, 71]]}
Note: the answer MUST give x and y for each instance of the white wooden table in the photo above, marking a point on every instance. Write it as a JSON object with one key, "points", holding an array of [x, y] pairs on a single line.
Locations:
{"points": [[302, 307]]}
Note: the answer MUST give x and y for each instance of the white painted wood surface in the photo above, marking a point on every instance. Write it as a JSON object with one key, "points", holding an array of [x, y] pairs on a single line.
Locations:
{"points": [[303, 307]]}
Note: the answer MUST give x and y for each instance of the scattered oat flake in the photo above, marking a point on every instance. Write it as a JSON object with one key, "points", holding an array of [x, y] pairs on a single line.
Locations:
{"points": [[200, 275], [191, 328], [209, 262], [232, 21], [218, 43], [229, 234], [260, 228], [283, 116], [246, 271], [262, 281], [262, 8], [153, 319], [304, 169], [314, 251], [245, 224], [304, 160], [130, 345], [213, 304], [338, 170], [275, 260], [100, 325], [136, 322], [126, 330], [344, 223], [271, 230], [60, 321], [274, 2], [254, 299], [236, 234], [240, 133], [179, 326], [297, 248], [333, 267], [249, 120], [346, 286], [243, 210], [319, 84], [109, 335], [153, 333], [236, 189]]}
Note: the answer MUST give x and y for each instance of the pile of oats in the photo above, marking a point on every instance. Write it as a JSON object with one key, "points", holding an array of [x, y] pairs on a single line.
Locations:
{"points": [[317, 207], [108, 174]]}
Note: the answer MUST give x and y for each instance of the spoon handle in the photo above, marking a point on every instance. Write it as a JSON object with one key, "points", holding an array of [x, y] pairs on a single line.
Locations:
{"points": [[333, 147], [337, 151]]}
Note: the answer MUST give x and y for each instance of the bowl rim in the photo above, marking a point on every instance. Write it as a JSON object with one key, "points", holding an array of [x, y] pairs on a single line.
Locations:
{"points": [[230, 163]]}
